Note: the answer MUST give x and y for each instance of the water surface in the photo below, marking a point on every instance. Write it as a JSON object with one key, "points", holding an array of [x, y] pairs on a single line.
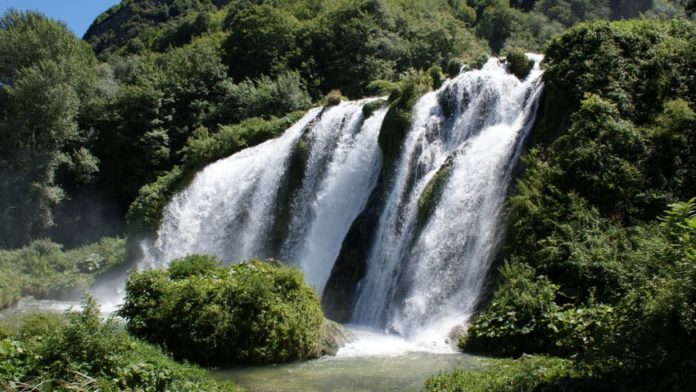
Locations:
{"points": [[404, 372]]}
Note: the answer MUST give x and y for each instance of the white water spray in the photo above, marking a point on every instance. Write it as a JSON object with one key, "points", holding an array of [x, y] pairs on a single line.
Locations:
{"points": [[228, 210], [423, 282]]}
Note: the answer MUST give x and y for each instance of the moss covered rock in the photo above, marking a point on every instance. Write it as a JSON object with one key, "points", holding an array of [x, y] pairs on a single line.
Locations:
{"points": [[397, 121], [333, 337], [432, 193], [518, 63], [369, 108], [252, 313]]}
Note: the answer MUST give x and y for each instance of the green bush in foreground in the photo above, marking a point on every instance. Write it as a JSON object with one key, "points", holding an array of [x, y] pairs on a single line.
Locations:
{"points": [[80, 352], [252, 313]]}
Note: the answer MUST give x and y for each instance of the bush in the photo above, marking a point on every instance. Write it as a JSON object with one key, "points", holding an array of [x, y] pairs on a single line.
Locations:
{"points": [[193, 265], [333, 98], [518, 318], [81, 352], [454, 67], [525, 374], [369, 108], [437, 76], [251, 313], [264, 97], [519, 64]]}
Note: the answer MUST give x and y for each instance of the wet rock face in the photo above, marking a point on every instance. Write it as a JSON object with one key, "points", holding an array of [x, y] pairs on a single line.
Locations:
{"points": [[333, 337], [350, 266], [455, 334]]}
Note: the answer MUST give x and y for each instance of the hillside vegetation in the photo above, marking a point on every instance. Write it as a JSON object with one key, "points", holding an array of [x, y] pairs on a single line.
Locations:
{"points": [[84, 131]]}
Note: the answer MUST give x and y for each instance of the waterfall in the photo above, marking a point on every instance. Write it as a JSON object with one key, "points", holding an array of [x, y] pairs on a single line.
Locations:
{"points": [[428, 263], [316, 235], [230, 208], [296, 197]]}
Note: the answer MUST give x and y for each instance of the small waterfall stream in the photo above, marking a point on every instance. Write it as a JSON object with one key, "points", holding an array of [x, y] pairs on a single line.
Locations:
{"points": [[296, 197]]}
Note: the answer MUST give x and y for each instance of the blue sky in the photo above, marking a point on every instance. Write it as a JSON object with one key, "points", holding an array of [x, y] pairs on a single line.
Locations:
{"points": [[77, 14]]}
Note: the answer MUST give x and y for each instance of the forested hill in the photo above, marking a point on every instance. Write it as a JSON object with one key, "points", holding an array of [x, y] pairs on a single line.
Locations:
{"points": [[137, 25], [125, 22]]}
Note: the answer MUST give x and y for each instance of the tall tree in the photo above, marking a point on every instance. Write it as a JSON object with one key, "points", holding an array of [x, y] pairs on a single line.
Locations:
{"points": [[46, 74]]}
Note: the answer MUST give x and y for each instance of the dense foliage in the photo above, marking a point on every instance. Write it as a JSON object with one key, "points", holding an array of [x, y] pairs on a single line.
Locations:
{"points": [[505, 375], [252, 313], [80, 352], [43, 269], [47, 77], [79, 139], [600, 253]]}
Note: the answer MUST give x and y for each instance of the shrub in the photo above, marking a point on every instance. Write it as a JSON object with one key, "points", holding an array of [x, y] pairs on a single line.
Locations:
{"points": [[454, 66], [518, 318], [251, 313], [81, 352], [264, 97], [333, 98], [519, 64], [193, 265], [437, 76], [525, 374], [373, 106]]}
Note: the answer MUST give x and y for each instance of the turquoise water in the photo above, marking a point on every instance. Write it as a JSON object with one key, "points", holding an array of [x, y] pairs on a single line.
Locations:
{"points": [[405, 372]]}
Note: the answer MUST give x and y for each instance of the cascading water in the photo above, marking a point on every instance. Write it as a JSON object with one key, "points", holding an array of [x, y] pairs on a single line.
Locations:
{"points": [[219, 213], [229, 210], [295, 197], [333, 203], [429, 260]]}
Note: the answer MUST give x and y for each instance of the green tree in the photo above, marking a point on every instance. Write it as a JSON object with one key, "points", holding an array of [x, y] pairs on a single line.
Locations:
{"points": [[46, 75], [262, 41], [497, 23], [161, 99]]}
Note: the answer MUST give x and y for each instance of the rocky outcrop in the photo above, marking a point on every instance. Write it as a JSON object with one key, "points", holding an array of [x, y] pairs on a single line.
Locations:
{"points": [[351, 264], [333, 337]]}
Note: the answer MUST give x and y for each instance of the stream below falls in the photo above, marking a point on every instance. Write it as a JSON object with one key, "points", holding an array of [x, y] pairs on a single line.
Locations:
{"points": [[402, 372]]}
